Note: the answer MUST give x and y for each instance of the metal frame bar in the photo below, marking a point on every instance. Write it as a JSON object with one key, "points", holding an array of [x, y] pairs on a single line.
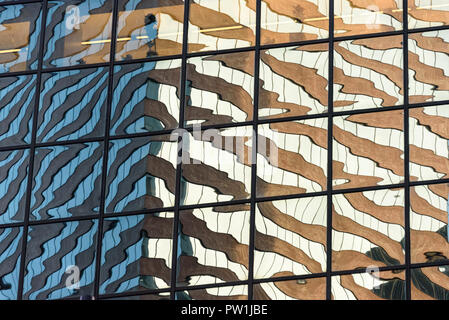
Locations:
{"points": [[408, 266]]}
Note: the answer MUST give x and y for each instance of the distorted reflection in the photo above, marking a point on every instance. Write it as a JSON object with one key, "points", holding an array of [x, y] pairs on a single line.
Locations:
{"points": [[214, 245], [301, 289], [368, 229], [149, 28], [52, 250], [13, 185], [146, 97], [136, 253], [383, 285], [19, 36], [221, 293], [368, 149], [78, 32], [66, 181], [10, 256], [141, 174], [429, 212]]}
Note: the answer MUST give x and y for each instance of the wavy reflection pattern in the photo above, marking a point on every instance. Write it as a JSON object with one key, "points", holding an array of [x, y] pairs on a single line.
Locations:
{"points": [[72, 105], [10, 255], [16, 109], [290, 238], [137, 253], [141, 174], [214, 245], [13, 185], [146, 97], [51, 250], [66, 181]]}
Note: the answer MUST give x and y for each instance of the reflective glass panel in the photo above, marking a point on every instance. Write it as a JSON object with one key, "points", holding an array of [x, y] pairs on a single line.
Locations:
{"points": [[429, 145], [428, 64], [67, 181], [290, 21], [429, 212], [427, 13], [216, 165], [290, 237], [10, 255], [220, 89], [368, 149], [17, 98], [368, 229], [383, 285], [360, 17], [78, 32], [56, 255], [148, 28], [72, 105], [19, 36], [214, 245], [292, 157], [293, 81], [13, 185], [146, 97], [221, 293], [221, 24], [141, 174], [136, 253], [368, 73], [301, 289], [430, 283]]}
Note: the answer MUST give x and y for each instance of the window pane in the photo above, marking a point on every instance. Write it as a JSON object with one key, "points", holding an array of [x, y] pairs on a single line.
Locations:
{"points": [[78, 32], [293, 81], [353, 18], [429, 223], [55, 254], [368, 149], [384, 285], [10, 255], [216, 165], [214, 245], [221, 293], [220, 89], [368, 73], [149, 28], [429, 147], [136, 253], [146, 97], [430, 283], [428, 66], [72, 105], [141, 174], [368, 229], [19, 36], [66, 181], [290, 237], [292, 157], [221, 24], [297, 20], [425, 13], [302, 289], [13, 185], [16, 109]]}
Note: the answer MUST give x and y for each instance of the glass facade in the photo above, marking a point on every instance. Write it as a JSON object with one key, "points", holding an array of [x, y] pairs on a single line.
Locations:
{"points": [[224, 149]]}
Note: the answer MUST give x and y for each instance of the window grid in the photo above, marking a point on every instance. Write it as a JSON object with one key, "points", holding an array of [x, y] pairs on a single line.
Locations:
{"points": [[329, 192]]}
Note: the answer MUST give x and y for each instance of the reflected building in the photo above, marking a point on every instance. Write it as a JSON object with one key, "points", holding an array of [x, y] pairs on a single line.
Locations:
{"points": [[313, 160]]}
